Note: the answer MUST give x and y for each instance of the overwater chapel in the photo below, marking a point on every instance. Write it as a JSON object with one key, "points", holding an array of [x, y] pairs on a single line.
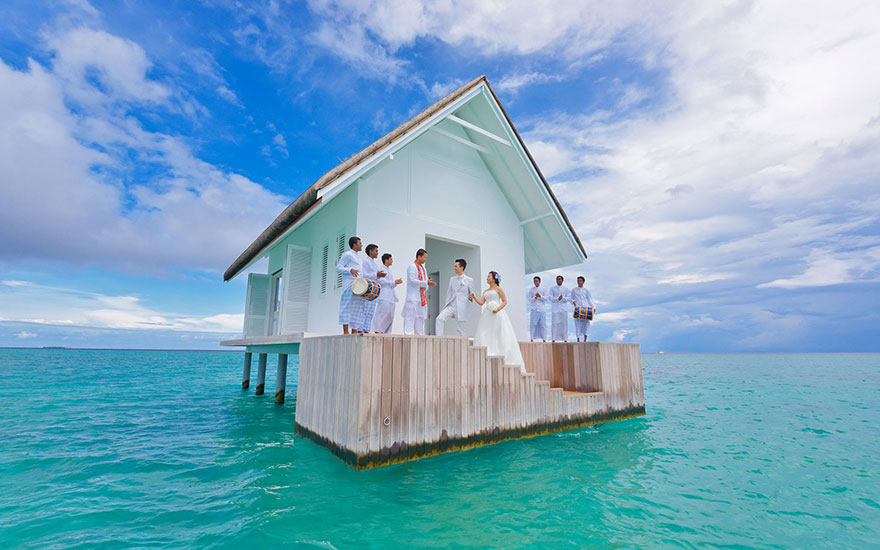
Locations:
{"points": [[456, 180]]}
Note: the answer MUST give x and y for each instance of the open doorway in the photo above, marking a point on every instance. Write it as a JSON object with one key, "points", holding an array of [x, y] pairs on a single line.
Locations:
{"points": [[441, 255]]}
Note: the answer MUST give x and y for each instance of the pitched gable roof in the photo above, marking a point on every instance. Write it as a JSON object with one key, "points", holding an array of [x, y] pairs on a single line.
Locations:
{"points": [[310, 200]]}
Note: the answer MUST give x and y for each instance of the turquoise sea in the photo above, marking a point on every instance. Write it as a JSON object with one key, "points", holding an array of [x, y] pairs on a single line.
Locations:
{"points": [[156, 449]]}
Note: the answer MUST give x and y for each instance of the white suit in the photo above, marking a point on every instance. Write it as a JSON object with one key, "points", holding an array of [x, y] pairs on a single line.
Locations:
{"points": [[414, 312], [537, 313], [561, 310], [457, 303], [384, 316]]}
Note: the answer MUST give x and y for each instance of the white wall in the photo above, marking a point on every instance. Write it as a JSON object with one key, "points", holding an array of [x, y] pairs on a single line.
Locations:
{"points": [[438, 187], [337, 216]]}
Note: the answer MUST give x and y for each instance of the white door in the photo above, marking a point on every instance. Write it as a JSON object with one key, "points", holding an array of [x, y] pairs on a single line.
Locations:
{"points": [[433, 304], [258, 306], [296, 289]]}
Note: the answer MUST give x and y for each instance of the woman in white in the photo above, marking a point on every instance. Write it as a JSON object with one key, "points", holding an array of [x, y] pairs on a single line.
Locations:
{"points": [[494, 330]]}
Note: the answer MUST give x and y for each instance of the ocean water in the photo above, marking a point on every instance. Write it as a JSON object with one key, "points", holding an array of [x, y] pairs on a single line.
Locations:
{"points": [[153, 449]]}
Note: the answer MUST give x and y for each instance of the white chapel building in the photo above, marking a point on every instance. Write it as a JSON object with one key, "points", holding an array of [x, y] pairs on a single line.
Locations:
{"points": [[456, 180]]}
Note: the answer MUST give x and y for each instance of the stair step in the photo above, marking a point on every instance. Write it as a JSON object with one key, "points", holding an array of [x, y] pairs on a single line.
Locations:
{"points": [[567, 393]]}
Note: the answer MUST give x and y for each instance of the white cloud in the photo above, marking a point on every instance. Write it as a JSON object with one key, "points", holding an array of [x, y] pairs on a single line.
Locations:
{"points": [[827, 267], [64, 193], [52, 305], [84, 55], [24, 335], [16, 283], [513, 82], [693, 278]]}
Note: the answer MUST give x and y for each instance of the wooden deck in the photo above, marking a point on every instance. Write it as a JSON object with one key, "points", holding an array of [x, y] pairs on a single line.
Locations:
{"points": [[375, 400]]}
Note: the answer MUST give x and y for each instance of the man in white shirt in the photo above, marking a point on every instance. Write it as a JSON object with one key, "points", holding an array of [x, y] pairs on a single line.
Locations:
{"points": [[458, 302], [559, 297], [363, 317], [415, 307], [537, 311], [384, 316], [349, 267], [581, 297]]}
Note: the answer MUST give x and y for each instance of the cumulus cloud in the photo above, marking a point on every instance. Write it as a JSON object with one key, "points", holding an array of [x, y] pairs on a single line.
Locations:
{"points": [[55, 305], [84, 182]]}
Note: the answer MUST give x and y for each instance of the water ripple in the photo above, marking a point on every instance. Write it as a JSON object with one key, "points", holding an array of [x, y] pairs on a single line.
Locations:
{"points": [[159, 449]]}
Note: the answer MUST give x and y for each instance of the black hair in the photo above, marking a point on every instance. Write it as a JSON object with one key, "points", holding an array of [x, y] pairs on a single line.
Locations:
{"points": [[385, 257], [462, 263], [560, 277], [581, 278], [536, 277], [371, 247], [352, 241], [495, 277], [421, 252]]}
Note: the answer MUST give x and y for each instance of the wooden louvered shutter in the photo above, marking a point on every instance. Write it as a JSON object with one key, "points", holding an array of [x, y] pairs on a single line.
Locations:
{"points": [[297, 277], [340, 250], [258, 306], [324, 260]]}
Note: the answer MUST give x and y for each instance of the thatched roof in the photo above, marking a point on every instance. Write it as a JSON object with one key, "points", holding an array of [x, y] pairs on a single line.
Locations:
{"points": [[309, 198]]}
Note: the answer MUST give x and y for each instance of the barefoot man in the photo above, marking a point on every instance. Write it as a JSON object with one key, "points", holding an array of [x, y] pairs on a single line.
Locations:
{"points": [[384, 316], [537, 311], [415, 308], [349, 267]]}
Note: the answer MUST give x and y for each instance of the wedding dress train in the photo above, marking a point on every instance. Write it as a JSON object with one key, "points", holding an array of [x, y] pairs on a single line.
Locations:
{"points": [[496, 333]]}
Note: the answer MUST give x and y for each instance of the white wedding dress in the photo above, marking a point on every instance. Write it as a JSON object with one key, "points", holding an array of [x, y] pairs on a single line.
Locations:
{"points": [[496, 333]]}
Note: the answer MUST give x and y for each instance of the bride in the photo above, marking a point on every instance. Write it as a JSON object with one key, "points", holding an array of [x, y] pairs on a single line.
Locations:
{"points": [[494, 330]]}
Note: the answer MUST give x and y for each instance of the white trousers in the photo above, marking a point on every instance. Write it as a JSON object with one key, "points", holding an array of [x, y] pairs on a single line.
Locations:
{"points": [[447, 313], [413, 325], [538, 324], [560, 326], [384, 316]]}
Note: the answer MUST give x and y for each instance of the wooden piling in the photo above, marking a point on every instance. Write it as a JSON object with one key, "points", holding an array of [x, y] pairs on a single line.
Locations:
{"points": [[246, 372], [281, 378], [261, 374]]}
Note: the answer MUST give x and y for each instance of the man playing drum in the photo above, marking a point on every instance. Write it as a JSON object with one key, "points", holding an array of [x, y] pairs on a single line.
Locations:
{"points": [[362, 320], [349, 267], [581, 297]]}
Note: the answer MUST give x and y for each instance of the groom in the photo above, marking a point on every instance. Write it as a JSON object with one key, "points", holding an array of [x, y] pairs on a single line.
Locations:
{"points": [[457, 299]]}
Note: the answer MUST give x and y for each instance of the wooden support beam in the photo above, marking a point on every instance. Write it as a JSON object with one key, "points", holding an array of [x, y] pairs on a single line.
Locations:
{"points": [[246, 373], [479, 130], [461, 140], [281, 378], [536, 218], [261, 374]]}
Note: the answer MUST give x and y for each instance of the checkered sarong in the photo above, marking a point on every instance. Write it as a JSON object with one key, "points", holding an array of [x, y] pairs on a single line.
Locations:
{"points": [[348, 307], [362, 317]]}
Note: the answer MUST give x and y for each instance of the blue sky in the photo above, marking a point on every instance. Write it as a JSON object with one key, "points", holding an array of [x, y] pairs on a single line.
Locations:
{"points": [[720, 162]]}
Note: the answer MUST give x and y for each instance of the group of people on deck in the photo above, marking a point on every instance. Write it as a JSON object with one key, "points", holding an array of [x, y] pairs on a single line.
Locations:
{"points": [[562, 301], [358, 314]]}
